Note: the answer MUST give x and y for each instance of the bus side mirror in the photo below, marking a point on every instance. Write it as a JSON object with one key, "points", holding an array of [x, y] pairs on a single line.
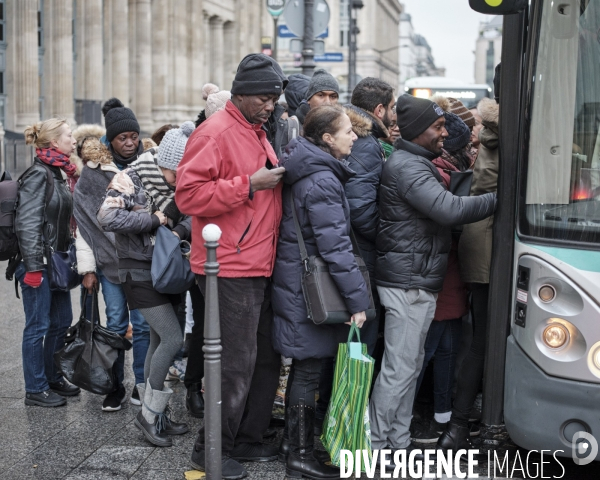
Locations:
{"points": [[498, 7]]}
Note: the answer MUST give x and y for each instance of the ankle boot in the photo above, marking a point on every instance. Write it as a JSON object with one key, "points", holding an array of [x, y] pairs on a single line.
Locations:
{"points": [[151, 419], [455, 437], [194, 401], [301, 462]]}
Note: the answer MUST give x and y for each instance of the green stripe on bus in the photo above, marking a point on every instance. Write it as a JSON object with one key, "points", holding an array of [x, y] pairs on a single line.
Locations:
{"points": [[586, 260]]}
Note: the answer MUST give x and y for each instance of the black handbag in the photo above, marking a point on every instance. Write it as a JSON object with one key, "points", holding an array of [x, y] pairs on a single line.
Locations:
{"points": [[171, 271], [460, 183], [324, 304], [90, 352], [62, 268]]}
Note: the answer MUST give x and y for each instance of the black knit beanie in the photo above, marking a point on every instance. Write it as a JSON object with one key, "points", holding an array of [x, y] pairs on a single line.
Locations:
{"points": [[459, 134], [415, 115], [322, 81], [118, 119], [258, 74]]}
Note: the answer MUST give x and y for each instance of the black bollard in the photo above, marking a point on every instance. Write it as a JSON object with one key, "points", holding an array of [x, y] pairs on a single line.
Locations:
{"points": [[212, 356]]}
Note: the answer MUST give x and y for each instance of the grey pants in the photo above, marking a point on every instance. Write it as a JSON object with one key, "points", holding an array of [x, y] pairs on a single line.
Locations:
{"points": [[408, 316]]}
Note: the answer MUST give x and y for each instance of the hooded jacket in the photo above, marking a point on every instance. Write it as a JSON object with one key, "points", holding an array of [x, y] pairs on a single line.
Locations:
{"points": [[35, 219], [317, 182], [475, 246], [416, 213], [296, 91], [213, 186], [367, 159]]}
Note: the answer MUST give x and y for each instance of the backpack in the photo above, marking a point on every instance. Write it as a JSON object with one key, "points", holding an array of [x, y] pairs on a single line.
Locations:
{"points": [[9, 244]]}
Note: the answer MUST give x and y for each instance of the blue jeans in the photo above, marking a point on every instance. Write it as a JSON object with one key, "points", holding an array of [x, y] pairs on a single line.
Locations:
{"points": [[118, 317], [47, 317], [443, 342]]}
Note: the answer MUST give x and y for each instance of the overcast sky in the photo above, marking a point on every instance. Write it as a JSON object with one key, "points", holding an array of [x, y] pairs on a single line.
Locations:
{"points": [[451, 28]]}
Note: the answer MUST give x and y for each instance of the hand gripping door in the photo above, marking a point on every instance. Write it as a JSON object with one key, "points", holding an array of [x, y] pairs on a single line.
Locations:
{"points": [[171, 270], [324, 303], [90, 352]]}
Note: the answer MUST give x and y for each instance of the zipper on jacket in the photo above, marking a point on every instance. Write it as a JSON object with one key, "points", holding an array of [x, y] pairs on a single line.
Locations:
{"points": [[239, 250]]}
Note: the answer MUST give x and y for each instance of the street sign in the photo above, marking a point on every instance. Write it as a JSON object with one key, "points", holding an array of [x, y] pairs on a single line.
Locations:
{"points": [[285, 32], [275, 7], [330, 57], [294, 17]]}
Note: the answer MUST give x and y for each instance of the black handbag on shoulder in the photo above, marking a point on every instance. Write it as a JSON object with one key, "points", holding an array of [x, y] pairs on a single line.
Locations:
{"points": [[324, 303], [62, 268], [90, 352]]}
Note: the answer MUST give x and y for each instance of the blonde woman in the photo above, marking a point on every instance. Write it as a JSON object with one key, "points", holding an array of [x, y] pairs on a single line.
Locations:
{"points": [[48, 314]]}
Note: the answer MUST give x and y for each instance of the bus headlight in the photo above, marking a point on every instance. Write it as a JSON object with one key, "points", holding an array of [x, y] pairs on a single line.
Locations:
{"points": [[547, 293], [422, 93], [555, 335]]}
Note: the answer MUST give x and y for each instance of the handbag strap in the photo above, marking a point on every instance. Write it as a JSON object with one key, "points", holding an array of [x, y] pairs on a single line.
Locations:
{"points": [[95, 310], [301, 244], [354, 330]]}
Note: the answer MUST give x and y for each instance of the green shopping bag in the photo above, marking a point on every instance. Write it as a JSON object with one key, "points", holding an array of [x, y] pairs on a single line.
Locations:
{"points": [[346, 425]]}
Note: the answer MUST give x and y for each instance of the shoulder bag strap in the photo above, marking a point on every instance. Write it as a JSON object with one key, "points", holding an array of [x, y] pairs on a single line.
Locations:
{"points": [[301, 244]]}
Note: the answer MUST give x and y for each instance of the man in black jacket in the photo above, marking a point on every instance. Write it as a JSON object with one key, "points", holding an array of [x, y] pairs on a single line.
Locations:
{"points": [[413, 241], [371, 114]]}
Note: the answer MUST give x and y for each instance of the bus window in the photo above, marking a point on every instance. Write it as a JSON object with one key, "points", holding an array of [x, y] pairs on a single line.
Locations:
{"points": [[562, 200]]}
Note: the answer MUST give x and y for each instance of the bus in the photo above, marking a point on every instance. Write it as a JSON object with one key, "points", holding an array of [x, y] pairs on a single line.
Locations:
{"points": [[427, 87], [542, 374]]}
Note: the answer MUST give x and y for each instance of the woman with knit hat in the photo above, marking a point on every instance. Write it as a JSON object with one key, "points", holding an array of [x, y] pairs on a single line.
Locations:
{"points": [[138, 200]]}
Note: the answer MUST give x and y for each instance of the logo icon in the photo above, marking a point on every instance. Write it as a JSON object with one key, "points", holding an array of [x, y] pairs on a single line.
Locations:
{"points": [[585, 448]]}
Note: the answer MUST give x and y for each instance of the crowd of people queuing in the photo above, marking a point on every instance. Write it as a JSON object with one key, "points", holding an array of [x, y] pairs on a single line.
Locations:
{"points": [[378, 169]]}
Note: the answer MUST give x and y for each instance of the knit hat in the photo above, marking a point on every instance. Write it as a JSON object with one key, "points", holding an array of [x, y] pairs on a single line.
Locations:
{"points": [[322, 81], [118, 119], [459, 134], [172, 146], [215, 99], [258, 74], [415, 115], [458, 108]]}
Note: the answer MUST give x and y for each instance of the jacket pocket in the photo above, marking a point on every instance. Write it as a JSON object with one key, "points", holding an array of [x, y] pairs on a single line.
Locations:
{"points": [[244, 235]]}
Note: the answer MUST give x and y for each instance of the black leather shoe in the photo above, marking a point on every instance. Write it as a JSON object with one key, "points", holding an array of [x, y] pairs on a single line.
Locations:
{"points": [[284, 451], [254, 452], [45, 399], [174, 428], [64, 388], [151, 433], [194, 401], [230, 468], [455, 437], [269, 433]]}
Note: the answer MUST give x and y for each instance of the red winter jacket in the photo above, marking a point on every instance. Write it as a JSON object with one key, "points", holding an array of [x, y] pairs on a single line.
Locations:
{"points": [[213, 186], [452, 301]]}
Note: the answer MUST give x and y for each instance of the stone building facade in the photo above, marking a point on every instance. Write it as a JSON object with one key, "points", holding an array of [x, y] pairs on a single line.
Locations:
{"points": [[65, 57], [488, 50]]}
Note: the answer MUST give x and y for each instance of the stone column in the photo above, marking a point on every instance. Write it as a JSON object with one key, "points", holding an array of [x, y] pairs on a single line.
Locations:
{"points": [[181, 59], [142, 63], [92, 51], [197, 75], [160, 61], [61, 45], [118, 30], [26, 84], [217, 63]]}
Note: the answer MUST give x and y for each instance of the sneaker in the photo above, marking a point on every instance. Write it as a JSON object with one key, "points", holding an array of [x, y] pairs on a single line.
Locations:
{"points": [[254, 452], [114, 400], [45, 399], [230, 468], [135, 397], [428, 433], [64, 388], [176, 371]]}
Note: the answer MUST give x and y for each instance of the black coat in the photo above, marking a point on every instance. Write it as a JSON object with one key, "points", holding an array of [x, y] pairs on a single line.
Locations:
{"points": [[367, 159], [317, 181], [416, 214], [34, 218]]}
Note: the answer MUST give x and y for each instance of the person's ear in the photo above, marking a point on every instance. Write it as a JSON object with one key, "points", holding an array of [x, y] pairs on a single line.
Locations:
{"points": [[379, 111], [328, 139]]}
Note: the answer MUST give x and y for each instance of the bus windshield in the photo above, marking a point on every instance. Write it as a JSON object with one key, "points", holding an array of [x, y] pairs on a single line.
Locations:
{"points": [[562, 198]]}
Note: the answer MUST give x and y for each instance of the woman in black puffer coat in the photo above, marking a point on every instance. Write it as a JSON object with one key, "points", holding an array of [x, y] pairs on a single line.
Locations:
{"points": [[315, 174]]}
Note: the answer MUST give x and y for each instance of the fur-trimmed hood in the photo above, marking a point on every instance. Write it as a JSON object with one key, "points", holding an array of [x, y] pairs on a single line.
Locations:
{"points": [[85, 130], [95, 151], [364, 123], [489, 111]]}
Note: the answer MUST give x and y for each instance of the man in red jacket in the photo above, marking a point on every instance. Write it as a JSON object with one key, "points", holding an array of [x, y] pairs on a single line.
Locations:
{"points": [[229, 176]]}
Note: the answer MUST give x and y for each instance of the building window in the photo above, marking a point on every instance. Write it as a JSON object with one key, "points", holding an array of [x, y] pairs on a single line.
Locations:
{"points": [[344, 23], [489, 64]]}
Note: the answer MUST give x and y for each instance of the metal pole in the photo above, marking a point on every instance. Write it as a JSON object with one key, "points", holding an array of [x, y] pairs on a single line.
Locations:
{"points": [[275, 33], [212, 356], [351, 52], [308, 43]]}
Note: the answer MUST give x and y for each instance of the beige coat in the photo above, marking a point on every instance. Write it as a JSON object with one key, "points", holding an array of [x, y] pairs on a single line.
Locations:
{"points": [[475, 245]]}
